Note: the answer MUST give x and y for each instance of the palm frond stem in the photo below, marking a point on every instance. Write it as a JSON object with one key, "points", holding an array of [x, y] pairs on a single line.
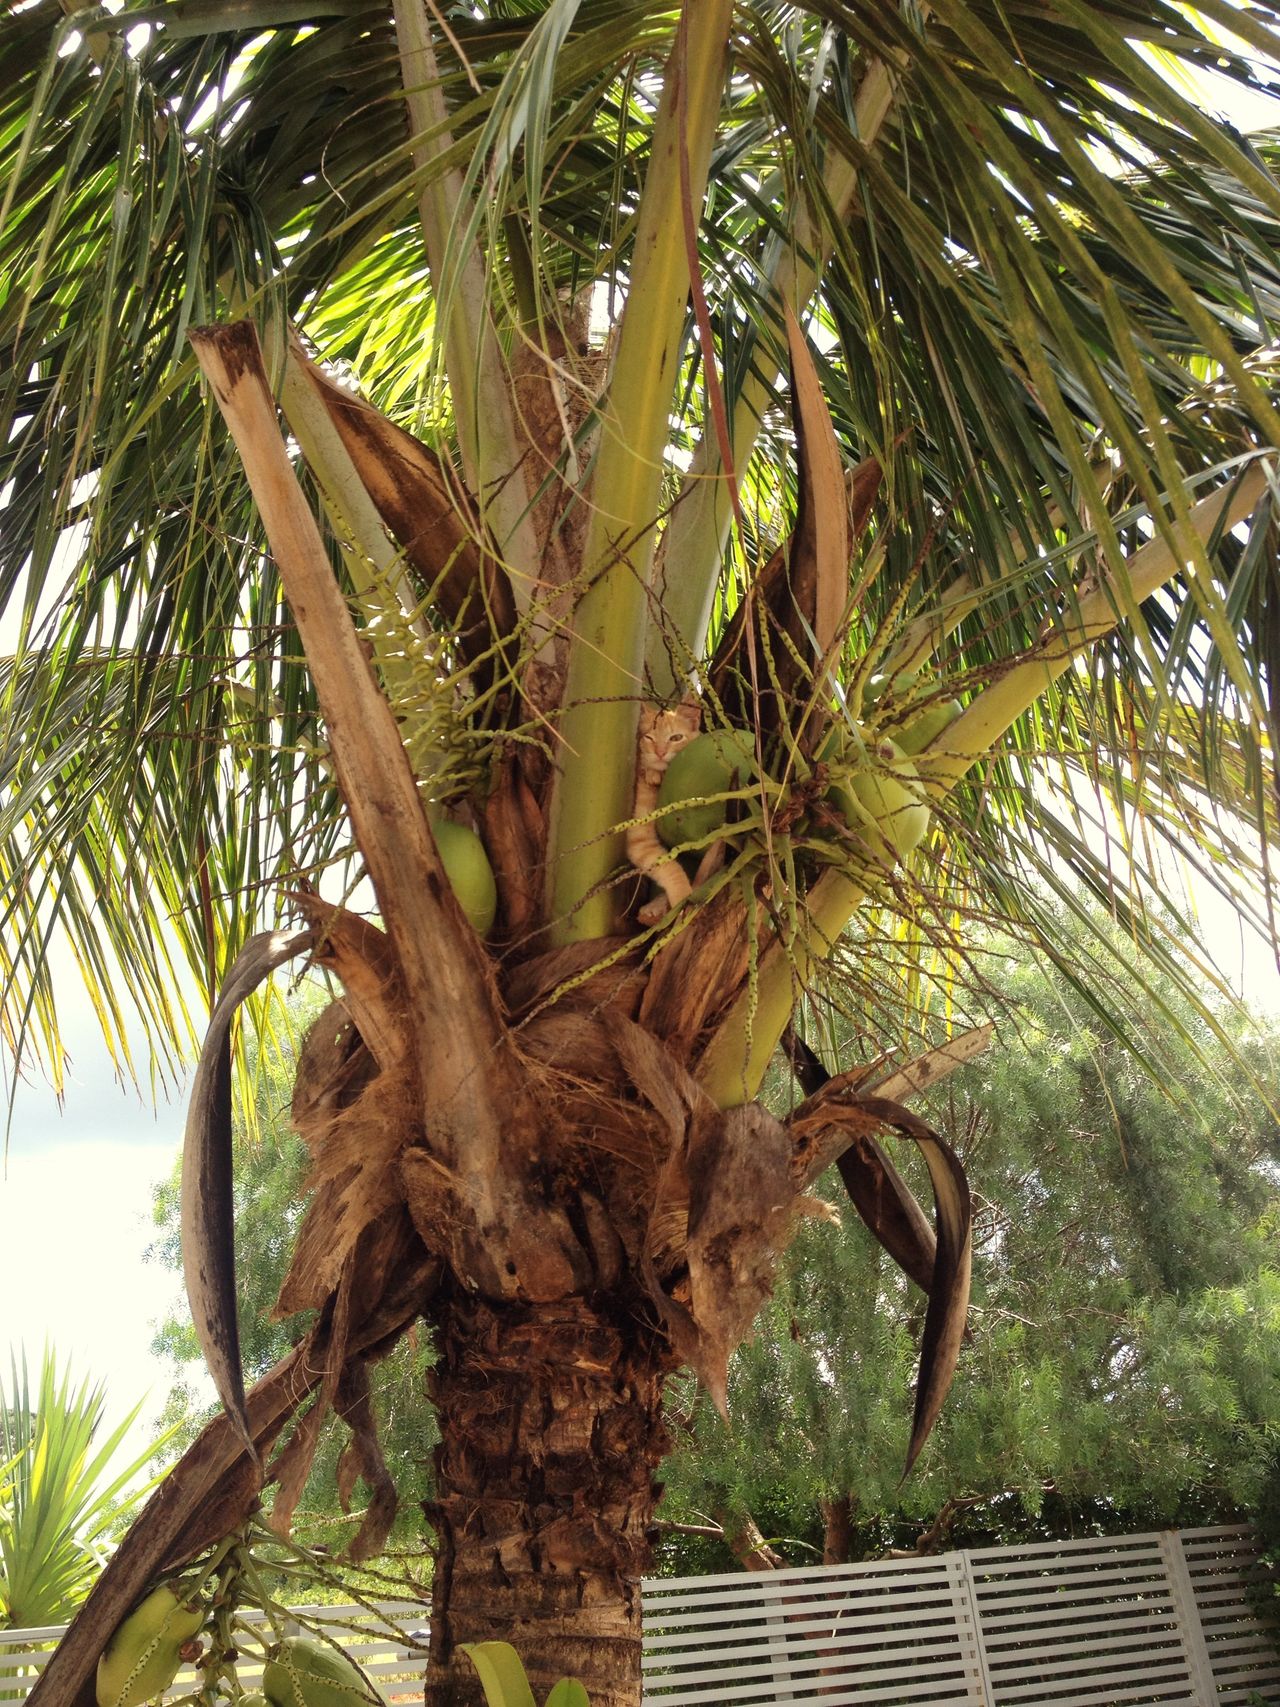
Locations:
{"points": [[695, 538], [490, 441], [593, 793], [440, 959]]}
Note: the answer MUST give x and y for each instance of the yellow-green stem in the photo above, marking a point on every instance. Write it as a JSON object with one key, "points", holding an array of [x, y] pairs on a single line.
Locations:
{"points": [[595, 781], [980, 726], [489, 436], [733, 1067]]}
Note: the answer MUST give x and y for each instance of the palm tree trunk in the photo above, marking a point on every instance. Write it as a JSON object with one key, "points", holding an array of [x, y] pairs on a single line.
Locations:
{"points": [[551, 1431]]}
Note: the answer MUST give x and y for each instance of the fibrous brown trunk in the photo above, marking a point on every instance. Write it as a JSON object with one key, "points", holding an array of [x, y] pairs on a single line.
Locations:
{"points": [[837, 1518], [551, 1431]]}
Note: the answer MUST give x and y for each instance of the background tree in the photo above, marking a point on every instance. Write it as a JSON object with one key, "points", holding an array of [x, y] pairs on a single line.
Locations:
{"points": [[1022, 463], [1126, 1299]]}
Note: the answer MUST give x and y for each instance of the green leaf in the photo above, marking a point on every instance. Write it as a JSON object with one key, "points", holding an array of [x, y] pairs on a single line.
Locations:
{"points": [[61, 1492], [568, 1693], [502, 1673]]}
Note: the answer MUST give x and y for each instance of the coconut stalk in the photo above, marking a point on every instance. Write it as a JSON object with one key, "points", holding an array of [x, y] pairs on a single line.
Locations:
{"points": [[733, 1065]]}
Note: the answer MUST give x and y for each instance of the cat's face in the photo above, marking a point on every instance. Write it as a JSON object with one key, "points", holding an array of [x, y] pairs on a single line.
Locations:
{"points": [[678, 735], [662, 734]]}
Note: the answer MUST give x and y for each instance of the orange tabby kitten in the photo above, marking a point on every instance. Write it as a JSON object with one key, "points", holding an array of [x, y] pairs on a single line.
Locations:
{"points": [[662, 734]]}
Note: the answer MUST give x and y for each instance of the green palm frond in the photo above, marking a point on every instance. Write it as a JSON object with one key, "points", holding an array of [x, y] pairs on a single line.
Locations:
{"points": [[62, 1491], [1046, 296]]}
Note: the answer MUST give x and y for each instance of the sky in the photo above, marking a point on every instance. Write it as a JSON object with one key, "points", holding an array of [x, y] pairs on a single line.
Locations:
{"points": [[77, 1182], [74, 1228], [75, 1224]]}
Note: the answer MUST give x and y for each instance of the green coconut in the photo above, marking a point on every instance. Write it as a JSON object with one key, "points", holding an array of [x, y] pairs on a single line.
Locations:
{"points": [[843, 744], [882, 686], [715, 762], [142, 1659], [923, 730], [844, 751], [889, 792], [470, 875], [303, 1672]]}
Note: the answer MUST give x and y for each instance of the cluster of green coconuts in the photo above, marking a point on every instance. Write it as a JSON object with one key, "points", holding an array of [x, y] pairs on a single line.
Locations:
{"points": [[877, 791], [145, 1654], [875, 786]]}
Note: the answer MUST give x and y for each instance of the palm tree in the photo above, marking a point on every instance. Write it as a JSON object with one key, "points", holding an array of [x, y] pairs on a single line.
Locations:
{"points": [[64, 1489], [522, 280]]}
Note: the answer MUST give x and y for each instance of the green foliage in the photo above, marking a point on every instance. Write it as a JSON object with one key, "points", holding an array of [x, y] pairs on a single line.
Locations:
{"points": [[1043, 288], [1266, 1512], [63, 1493], [502, 1673], [1126, 1308], [270, 1170]]}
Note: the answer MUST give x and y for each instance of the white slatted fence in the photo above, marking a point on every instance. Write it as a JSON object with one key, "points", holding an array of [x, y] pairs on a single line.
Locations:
{"points": [[1233, 1598], [23, 1656], [1090, 1622], [1180, 1619], [1160, 1620], [888, 1631]]}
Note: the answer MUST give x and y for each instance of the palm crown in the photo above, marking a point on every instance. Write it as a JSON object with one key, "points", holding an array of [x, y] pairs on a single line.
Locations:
{"points": [[524, 280]]}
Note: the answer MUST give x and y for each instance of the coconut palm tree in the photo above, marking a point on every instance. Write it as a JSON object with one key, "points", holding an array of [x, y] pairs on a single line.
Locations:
{"points": [[694, 506]]}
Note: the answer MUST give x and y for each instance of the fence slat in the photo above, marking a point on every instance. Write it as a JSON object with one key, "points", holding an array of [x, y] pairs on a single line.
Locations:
{"points": [[1172, 1620]]}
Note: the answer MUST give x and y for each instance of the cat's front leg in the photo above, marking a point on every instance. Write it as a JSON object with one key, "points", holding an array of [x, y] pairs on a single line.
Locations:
{"points": [[647, 853]]}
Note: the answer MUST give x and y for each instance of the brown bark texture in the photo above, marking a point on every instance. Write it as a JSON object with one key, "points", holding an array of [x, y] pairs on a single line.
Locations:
{"points": [[837, 1519], [551, 1432]]}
